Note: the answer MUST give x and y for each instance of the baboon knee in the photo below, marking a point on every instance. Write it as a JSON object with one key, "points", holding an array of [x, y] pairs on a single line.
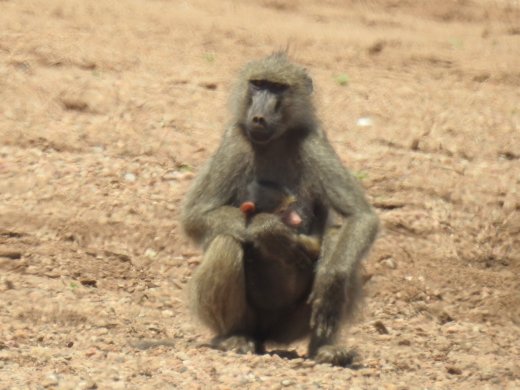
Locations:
{"points": [[217, 287]]}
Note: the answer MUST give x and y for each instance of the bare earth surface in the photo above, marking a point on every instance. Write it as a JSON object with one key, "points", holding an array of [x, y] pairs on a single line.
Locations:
{"points": [[108, 109]]}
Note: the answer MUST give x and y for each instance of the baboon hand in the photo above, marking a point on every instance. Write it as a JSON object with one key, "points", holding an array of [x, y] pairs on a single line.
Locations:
{"points": [[272, 237], [327, 299], [229, 221], [266, 226], [238, 232]]}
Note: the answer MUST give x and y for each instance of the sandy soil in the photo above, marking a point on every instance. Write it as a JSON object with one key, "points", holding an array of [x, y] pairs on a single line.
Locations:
{"points": [[108, 109]]}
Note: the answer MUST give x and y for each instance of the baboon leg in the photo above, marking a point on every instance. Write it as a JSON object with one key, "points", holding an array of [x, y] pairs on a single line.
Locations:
{"points": [[311, 244], [218, 294]]}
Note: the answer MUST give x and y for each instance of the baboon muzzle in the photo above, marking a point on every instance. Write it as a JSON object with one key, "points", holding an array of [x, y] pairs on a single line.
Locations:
{"points": [[260, 116]]}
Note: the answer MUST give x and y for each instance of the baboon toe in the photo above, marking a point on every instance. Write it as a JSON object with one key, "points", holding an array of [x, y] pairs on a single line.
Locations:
{"points": [[237, 344], [335, 355]]}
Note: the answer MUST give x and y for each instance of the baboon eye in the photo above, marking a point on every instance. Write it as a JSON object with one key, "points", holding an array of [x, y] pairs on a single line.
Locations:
{"points": [[269, 85]]}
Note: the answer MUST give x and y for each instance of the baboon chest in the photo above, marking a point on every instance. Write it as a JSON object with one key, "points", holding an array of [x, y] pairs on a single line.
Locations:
{"points": [[282, 167]]}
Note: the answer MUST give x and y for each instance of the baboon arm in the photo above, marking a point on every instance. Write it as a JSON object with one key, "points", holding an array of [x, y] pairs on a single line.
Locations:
{"points": [[207, 212], [342, 248], [345, 195]]}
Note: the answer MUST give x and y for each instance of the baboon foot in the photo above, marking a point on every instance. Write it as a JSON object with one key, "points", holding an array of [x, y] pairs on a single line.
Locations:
{"points": [[237, 344], [335, 355]]}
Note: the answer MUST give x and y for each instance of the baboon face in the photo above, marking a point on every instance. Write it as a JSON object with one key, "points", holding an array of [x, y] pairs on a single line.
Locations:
{"points": [[265, 115], [271, 97]]}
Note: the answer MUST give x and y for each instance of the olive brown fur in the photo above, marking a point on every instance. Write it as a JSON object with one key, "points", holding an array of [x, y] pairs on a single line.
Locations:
{"points": [[257, 282]]}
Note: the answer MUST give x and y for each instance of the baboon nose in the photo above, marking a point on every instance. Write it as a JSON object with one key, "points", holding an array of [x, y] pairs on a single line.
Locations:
{"points": [[259, 120]]}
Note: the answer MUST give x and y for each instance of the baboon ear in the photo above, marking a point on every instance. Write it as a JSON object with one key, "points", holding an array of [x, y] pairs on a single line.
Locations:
{"points": [[308, 84]]}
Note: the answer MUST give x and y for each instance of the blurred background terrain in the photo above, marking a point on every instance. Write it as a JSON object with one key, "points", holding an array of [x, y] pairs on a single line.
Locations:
{"points": [[108, 109]]}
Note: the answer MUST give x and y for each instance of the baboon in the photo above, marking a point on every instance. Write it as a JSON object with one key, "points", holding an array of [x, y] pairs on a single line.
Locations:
{"points": [[267, 197], [256, 283]]}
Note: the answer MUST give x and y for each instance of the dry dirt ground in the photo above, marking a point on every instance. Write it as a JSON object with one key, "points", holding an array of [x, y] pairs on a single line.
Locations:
{"points": [[108, 109]]}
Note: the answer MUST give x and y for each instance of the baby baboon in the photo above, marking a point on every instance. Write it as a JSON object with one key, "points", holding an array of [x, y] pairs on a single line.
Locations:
{"points": [[256, 282], [267, 197]]}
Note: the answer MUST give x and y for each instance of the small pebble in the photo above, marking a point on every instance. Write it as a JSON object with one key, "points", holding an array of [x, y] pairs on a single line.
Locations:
{"points": [[167, 313], [177, 175], [364, 122], [50, 380], [454, 370], [380, 327], [88, 384], [389, 263], [130, 177], [9, 254]]}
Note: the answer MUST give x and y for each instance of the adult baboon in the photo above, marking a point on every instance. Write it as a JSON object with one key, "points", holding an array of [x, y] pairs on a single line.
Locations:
{"points": [[256, 283]]}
